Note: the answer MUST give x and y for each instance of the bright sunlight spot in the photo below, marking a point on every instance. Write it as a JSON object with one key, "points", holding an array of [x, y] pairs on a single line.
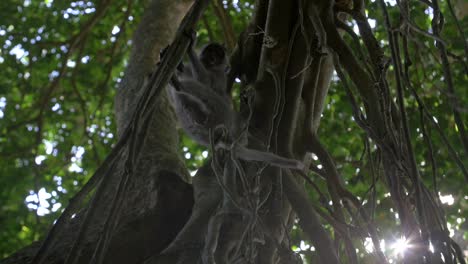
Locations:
{"points": [[400, 246], [56, 107], [78, 152], [115, 30], [71, 64], [85, 59], [39, 159], [38, 202], [368, 245], [49, 146], [75, 168], [2, 106], [304, 246], [390, 2], [446, 199], [18, 51]]}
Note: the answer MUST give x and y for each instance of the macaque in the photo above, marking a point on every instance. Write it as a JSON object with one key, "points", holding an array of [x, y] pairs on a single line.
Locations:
{"points": [[202, 103]]}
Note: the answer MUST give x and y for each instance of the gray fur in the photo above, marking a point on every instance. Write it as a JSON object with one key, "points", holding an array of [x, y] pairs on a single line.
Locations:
{"points": [[201, 103]]}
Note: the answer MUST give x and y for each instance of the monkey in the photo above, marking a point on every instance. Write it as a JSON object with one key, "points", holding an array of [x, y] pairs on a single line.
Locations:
{"points": [[202, 103], [199, 98]]}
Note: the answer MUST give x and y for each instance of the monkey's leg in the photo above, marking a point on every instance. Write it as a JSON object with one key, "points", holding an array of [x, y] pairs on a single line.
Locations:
{"points": [[262, 156], [273, 159], [194, 107]]}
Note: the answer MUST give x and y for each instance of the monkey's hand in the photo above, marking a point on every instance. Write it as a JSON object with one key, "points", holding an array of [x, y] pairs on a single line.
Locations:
{"points": [[192, 35], [163, 53]]}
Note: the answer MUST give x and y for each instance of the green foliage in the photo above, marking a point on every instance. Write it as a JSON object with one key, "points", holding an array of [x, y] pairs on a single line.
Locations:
{"points": [[56, 92]]}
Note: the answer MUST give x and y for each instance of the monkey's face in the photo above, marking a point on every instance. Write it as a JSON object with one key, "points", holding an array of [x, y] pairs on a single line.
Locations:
{"points": [[213, 56]]}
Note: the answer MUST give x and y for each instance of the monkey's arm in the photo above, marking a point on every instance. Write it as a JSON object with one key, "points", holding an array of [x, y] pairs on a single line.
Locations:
{"points": [[199, 71]]}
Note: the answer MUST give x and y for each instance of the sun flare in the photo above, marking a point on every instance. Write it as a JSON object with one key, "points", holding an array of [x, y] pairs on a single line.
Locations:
{"points": [[400, 246]]}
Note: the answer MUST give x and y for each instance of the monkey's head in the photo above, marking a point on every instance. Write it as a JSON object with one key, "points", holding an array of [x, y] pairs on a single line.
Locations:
{"points": [[214, 56]]}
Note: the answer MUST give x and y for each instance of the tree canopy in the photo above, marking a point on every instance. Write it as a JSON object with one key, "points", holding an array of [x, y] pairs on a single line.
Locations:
{"points": [[62, 62]]}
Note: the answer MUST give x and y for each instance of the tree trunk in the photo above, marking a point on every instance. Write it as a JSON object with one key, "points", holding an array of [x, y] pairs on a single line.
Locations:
{"points": [[159, 198], [164, 218]]}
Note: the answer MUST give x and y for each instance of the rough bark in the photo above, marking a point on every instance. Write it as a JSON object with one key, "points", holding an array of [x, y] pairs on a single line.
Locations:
{"points": [[158, 199]]}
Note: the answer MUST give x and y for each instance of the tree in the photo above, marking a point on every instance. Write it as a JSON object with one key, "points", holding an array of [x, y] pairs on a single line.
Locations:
{"points": [[390, 148]]}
